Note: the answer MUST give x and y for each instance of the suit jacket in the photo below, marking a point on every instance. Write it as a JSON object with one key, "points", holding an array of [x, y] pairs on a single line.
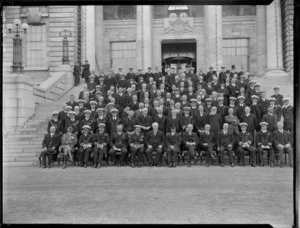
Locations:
{"points": [[155, 140], [50, 142], [200, 121], [233, 123], [69, 139], [57, 124], [173, 140], [119, 141], [208, 138], [101, 138], [225, 139], [137, 139], [162, 121], [264, 138], [72, 104], [251, 121], [281, 138], [173, 122], [271, 120], [186, 137], [86, 139], [185, 120]]}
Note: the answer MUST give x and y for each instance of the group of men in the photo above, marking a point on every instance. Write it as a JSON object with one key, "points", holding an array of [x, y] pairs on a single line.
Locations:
{"points": [[173, 118]]}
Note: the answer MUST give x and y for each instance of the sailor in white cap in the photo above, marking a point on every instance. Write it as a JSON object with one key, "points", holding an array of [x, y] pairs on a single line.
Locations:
{"points": [[264, 140], [55, 122], [87, 121], [288, 115], [277, 96], [101, 141], [86, 142]]}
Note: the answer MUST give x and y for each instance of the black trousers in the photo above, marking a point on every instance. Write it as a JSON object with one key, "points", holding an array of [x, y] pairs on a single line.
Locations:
{"points": [[242, 151], [173, 154], [136, 152], [149, 154], [229, 150], [50, 154], [84, 154], [99, 153]]}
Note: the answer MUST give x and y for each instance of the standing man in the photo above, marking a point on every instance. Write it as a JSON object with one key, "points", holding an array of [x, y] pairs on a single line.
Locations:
{"points": [[76, 74], [86, 71], [278, 97], [50, 145], [264, 140], [225, 142], [271, 119], [72, 102], [288, 115], [154, 141]]}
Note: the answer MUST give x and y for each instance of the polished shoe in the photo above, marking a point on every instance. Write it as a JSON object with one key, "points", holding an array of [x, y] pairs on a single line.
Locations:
{"points": [[65, 166], [222, 164], [261, 164], [151, 164], [253, 165], [174, 164], [44, 166], [95, 165], [132, 165], [170, 164], [81, 164], [232, 164], [272, 164], [99, 165], [85, 165]]}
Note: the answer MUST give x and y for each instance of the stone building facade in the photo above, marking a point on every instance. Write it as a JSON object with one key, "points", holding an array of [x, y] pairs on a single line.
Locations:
{"points": [[259, 37]]}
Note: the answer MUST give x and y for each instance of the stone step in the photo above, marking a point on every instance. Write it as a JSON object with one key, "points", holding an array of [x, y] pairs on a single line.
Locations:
{"points": [[21, 154], [23, 132], [21, 136], [27, 146], [28, 158], [24, 143], [12, 150], [24, 163]]}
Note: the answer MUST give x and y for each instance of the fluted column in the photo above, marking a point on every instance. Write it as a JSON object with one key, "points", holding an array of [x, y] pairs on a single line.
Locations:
{"points": [[274, 41], [90, 36], [261, 39], [99, 32], [144, 39], [213, 37]]}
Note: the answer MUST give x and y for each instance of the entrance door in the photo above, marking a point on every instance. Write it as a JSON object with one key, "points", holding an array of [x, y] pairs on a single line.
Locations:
{"points": [[178, 53]]}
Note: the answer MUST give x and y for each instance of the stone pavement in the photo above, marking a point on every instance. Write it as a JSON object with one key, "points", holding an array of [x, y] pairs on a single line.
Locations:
{"points": [[198, 195]]}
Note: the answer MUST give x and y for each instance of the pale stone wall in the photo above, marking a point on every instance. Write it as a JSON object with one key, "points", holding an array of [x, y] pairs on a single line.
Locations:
{"points": [[287, 10]]}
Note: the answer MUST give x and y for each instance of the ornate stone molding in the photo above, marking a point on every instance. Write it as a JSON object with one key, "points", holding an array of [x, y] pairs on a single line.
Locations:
{"points": [[178, 25], [240, 31]]}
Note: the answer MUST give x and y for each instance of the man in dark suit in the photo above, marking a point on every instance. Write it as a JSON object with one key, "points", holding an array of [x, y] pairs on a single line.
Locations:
{"points": [[288, 115], [50, 146], [72, 102], [118, 143], [225, 142], [278, 97], [145, 121], [154, 141], [201, 118], [282, 143], [173, 120], [208, 140], [161, 119], [209, 75], [264, 141], [190, 140], [101, 142], [271, 119], [173, 142]]}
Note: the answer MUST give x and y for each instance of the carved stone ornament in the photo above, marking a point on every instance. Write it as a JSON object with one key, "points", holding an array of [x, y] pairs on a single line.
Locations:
{"points": [[34, 17], [243, 30], [178, 24]]}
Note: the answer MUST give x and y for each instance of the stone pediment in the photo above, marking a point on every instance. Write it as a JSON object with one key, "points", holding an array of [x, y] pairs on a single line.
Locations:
{"points": [[177, 25]]}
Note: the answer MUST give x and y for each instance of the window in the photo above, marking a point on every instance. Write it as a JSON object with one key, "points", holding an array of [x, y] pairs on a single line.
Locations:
{"points": [[238, 10], [123, 54], [178, 10], [42, 9], [36, 46], [126, 12], [235, 52]]}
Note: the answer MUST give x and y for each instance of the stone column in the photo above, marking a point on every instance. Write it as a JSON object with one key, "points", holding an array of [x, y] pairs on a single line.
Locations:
{"points": [[99, 41], [261, 35], [144, 39], [213, 37], [90, 36], [274, 41]]}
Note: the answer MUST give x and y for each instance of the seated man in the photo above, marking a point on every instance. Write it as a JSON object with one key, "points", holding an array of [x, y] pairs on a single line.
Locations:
{"points": [[225, 142], [264, 140], [283, 144], [118, 142], [245, 139], [50, 145], [173, 142], [190, 140], [101, 141], [208, 139], [154, 141], [86, 142], [137, 145], [68, 143]]}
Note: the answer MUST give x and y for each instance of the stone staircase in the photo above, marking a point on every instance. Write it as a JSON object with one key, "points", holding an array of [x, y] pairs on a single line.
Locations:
{"points": [[22, 145]]}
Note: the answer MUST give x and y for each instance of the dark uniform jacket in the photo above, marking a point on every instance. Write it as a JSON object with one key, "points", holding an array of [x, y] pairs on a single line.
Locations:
{"points": [[225, 139], [173, 122], [101, 138], [173, 140], [86, 139], [57, 124], [102, 119], [185, 120], [50, 142], [128, 124], [278, 98], [251, 121], [155, 140], [264, 138], [109, 81], [145, 121], [271, 120], [89, 122], [288, 115], [244, 137], [74, 123], [200, 121], [112, 124], [119, 141], [137, 139]]}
